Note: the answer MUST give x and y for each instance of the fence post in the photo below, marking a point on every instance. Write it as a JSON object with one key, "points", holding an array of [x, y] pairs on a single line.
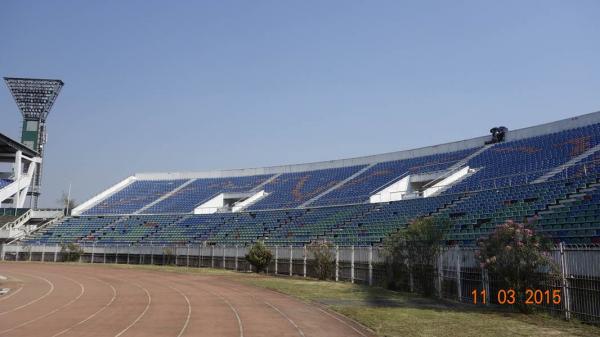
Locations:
{"points": [[30, 254], [212, 256], [411, 281], [485, 279], [224, 266], [352, 265], [200, 256], [458, 280], [174, 247], [276, 258], [370, 265], [565, 284], [304, 262], [439, 265], [128, 252], [56, 253], [291, 259], [236, 257], [117, 254], [18, 251], [187, 256], [104, 250], [337, 263], [1, 252], [93, 249], [44, 252]]}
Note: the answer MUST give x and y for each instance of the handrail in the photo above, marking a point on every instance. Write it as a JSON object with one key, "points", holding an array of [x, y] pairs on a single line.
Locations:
{"points": [[596, 161], [391, 182], [442, 177], [14, 223]]}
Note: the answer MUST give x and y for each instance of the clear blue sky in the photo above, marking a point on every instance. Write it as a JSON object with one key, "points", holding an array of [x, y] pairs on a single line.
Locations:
{"points": [[176, 86]]}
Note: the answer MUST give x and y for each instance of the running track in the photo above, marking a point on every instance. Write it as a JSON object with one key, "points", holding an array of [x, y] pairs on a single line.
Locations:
{"points": [[83, 300]]}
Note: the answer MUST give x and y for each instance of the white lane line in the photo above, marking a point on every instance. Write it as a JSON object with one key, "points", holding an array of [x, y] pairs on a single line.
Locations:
{"points": [[235, 312], [324, 311], [114, 296], [286, 317], [34, 300], [82, 291], [342, 321], [13, 293], [300, 332], [141, 315], [189, 314]]}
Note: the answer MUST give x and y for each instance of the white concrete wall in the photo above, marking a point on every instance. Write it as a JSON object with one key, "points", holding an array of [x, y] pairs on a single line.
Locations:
{"points": [[211, 206], [444, 183], [393, 192], [242, 205]]}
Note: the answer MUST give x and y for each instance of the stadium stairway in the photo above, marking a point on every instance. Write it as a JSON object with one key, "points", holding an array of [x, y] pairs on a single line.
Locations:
{"points": [[165, 196], [573, 161], [338, 185]]}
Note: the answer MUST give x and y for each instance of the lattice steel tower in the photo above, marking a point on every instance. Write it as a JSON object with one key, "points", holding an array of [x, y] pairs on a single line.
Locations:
{"points": [[35, 98]]}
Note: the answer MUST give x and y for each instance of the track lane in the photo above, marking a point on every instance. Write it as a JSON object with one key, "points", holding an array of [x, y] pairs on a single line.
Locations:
{"points": [[133, 302], [48, 313], [30, 301]]}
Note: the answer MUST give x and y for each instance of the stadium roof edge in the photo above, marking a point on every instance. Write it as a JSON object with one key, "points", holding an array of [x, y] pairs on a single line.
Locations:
{"points": [[30, 78], [9, 145], [532, 131]]}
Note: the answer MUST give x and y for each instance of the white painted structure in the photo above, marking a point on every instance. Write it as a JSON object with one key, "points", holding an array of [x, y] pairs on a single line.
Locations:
{"points": [[394, 192], [23, 170], [445, 183], [226, 202], [103, 195]]}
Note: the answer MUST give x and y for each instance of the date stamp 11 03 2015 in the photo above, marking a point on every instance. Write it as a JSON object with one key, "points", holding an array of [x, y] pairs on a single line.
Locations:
{"points": [[510, 296]]}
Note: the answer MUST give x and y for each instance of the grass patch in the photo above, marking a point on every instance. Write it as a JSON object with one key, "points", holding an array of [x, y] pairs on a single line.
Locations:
{"points": [[391, 313]]}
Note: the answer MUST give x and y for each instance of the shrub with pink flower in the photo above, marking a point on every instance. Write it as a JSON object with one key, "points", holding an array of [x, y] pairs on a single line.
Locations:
{"points": [[518, 256]]}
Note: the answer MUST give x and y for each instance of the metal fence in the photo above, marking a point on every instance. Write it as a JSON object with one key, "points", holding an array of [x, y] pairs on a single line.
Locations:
{"points": [[457, 273]]}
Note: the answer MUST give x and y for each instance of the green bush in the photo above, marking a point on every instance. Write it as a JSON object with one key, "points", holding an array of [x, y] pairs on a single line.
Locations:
{"points": [[259, 256], [70, 252], [519, 257], [323, 259], [169, 257], [412, 251]]}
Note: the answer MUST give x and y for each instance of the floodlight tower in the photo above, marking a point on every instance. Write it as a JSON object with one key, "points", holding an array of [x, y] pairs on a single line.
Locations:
{"points": [[35, 98]]}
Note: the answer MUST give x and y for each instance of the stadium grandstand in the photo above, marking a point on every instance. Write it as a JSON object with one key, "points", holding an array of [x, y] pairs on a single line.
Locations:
{"points": [[545, 174]]}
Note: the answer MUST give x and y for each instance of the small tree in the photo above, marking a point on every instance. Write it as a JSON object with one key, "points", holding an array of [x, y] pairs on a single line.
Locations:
{"points": [[519, 257], [67, 203], [259, 256], [412, 251], [70, 252], [323, 259], [169, 257]]}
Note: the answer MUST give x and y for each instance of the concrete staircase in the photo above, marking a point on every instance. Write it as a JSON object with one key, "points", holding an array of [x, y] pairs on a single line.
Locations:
{"points": [[338, 185], [459, 164], [165, 196]]}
